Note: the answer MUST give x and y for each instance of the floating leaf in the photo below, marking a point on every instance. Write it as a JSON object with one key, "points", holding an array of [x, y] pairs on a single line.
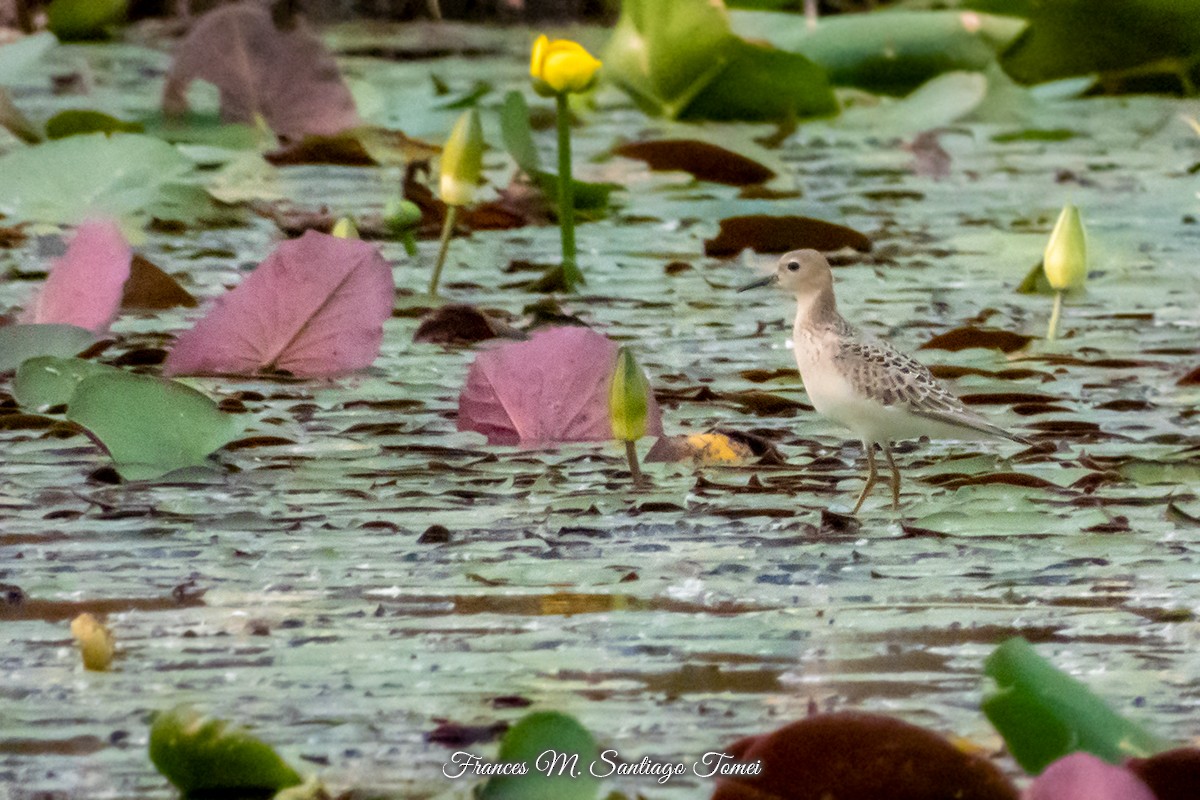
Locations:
{"points": [[205, 756], [1044, 714], [121, 175], [21, 342], [552, 388], [151, 289], [150, 426], [857, 756], [18, 55], [1082, 776], [678, 58], [891, 51], [50, 380], [95, 642], [766, 234], [73, 20], [78, 122], [286, 76], [703, 161], [970, 336], [558, 752], [314, 307], [457, 324], [84, 287], [1173, 775]]}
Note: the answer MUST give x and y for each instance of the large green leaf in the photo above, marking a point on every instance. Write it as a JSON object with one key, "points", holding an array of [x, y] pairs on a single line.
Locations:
{"points": [[892, 52], [84, 19], [19, 342], [207, 757], [125, 174], [50, 381], [679, 58], [150, 426], [1081, 37], [1044, 714], [557, 752]]}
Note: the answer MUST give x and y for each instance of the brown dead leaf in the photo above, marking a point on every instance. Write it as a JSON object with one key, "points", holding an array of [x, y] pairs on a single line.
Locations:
{"points": [[970, 336], [1191, 379], [340, 149], [703, 161], [767, 234], [457, 324], [149, 288]]}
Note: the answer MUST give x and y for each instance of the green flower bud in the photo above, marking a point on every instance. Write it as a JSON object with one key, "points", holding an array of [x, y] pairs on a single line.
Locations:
{"points": [[628, 398], [1065, 260], [462, 160]]}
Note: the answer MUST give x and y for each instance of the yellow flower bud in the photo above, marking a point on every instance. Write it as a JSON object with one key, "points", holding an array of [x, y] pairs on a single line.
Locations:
{"points": [[345, 228], [561, 66], [628, 398], [1065, 260], [462, 160], [95, 642]]}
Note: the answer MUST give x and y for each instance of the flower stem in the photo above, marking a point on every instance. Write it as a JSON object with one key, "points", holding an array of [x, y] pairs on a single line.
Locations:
{"points": [[632, 457], [566, 197], [447, 231], [1052, 330]]}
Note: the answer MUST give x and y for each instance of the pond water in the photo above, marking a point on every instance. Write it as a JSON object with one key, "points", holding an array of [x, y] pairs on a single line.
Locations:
{"points": [[321, 610]]}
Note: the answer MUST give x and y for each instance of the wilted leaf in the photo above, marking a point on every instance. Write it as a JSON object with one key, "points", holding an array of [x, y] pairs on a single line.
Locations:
{"points": [[766, 234], [204, 756], [679, 59], [84, 286], [1173, 775], [458, 324], [314, 307], [531, 739], [891, 51], [1191, 379], [970, 336], [1082, 776], [339, 149], [151, 289], [150, 426], [286, 76], [1044, 714], [19, 342], [857, 756], [703, 449], [703, 161], [552, 388]]}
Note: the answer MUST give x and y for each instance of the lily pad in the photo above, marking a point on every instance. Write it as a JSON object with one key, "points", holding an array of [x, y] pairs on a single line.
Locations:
{"points": [[209, 757], [557, 751], [50, 380], [19, 342], [150, 426], [80, 121]]}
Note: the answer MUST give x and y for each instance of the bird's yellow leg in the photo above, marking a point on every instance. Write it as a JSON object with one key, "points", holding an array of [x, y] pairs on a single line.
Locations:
{"points": [[887, 451], [870, 448]]}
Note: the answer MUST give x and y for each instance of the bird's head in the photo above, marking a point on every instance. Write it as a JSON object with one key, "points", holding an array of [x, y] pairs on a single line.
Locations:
{"points": [[801, 273]]}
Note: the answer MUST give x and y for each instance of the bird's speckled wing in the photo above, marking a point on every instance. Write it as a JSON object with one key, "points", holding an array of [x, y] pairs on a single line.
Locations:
{"points": [[879, 371]]}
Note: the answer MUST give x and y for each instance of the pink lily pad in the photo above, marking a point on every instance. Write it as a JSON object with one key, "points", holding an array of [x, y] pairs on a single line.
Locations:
{"points": [[84, 287], [1083, 776]]}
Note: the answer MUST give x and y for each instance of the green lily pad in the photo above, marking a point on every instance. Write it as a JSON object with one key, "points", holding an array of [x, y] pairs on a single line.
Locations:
{"points": [[50, 380], [679, 59], [126, 174], [76, 122], [1044, 714], [207, 757], [20, 342], [892, 52], [16, 56], [557, 752], [150, 426], [72, 20]]}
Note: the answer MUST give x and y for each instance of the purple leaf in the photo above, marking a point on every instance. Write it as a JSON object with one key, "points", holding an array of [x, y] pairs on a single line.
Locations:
{"points": [[1082, 776], [315, 307], [552, 388], [84, 287], [286, 75]]}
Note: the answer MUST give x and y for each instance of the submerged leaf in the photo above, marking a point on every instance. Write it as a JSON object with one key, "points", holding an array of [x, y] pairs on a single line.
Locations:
{"points": [[552, 388], [150, 426], [84, 287], [286, 76], [857, 756], [202, 755], [767, 234], [314, 307], [21, 342]]}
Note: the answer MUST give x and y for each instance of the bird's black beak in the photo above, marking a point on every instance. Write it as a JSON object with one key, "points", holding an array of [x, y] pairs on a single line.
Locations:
{"points": [[767, 281]]}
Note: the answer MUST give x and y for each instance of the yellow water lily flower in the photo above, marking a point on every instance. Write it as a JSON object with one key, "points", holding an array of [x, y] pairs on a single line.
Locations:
{"points": [[561, 66]]}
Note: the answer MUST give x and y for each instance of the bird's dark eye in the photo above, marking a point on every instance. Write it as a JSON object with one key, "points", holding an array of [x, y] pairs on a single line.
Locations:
{"points": [[793, 266]]}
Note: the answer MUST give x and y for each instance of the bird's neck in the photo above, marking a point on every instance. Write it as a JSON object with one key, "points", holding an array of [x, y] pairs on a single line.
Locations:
{"points": [[817, 309]]}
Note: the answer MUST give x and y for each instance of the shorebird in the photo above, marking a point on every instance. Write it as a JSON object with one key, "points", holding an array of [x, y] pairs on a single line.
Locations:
{"points": [[865, 384]]}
